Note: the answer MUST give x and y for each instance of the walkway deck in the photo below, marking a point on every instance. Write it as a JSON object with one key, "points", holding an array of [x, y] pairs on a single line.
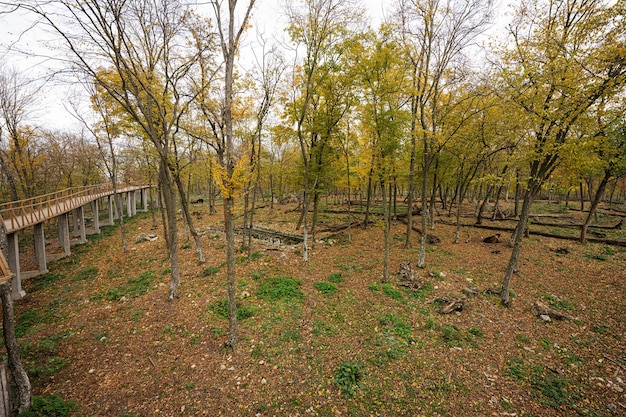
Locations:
{"points": [[18, 215]]}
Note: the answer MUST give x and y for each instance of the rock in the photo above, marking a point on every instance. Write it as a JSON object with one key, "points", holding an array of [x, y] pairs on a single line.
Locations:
{"points": [[545, 318], [263, 381], [146, 237]]}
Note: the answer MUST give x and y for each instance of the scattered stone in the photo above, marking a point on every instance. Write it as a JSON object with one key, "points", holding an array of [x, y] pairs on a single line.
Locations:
{"points": [[193, 366], [545, 318], [261, 362], [146, 237], [432, 239], [92, 370], [222, 367], [561, 250], [245, 294], [263, 381], [492, 239]]}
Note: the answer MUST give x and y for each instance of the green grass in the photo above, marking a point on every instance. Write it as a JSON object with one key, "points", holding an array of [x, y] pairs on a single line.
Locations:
{"points": [[49, 406], [390, 291], [28, 322], [134, 287], [555, 390], [327, 288], [348, 378], [85, 274], [335, 277], [220, 308], [280, 289], [44, 281], [210, 271]]}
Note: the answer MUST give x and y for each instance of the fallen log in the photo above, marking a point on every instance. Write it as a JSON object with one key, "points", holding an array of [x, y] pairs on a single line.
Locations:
{"points": [[540, 309], [413, 227], [613, 242]]}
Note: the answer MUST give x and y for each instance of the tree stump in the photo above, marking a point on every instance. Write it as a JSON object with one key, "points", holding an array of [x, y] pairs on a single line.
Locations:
{"points": [[406, 277]]}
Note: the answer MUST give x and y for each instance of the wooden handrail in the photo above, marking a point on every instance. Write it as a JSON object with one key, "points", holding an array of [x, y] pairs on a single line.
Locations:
{"points": [[17, 215]]}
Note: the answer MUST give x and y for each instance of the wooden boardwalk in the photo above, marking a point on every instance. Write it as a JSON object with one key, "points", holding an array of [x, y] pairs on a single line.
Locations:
{"points": [[18, 215]]}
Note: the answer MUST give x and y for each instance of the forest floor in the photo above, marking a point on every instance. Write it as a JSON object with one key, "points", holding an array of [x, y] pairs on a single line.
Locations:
{"points": [[327, 338]]}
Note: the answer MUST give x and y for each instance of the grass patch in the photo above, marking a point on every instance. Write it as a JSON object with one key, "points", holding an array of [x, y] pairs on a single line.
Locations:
{"points": [[557, 302], [515, 368], [254, 256], [210, 271], [327, 288], [555, 390], [86, 274], [348, 378], [49, 406], [44, 281], [220, 308], [51, 366], [27, 322], [335, 277], [280, 288], [390, 291], [135, 287]]}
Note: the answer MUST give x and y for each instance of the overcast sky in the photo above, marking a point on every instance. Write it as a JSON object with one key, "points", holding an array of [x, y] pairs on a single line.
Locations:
{"points": [[27, 53]]}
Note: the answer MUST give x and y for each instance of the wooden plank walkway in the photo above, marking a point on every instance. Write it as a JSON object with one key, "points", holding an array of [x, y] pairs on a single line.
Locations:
{"points": [[18, 215]]}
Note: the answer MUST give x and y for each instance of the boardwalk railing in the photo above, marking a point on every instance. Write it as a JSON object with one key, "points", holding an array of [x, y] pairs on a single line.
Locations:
{"points": [[16, 215]]}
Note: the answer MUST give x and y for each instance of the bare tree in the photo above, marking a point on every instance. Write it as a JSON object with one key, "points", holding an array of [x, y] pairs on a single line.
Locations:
{"points": [[136, 52], [230, 33], [436, 33]]}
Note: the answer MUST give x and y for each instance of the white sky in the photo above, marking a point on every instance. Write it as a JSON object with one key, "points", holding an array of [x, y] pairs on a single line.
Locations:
{"points": [[28, 53]]}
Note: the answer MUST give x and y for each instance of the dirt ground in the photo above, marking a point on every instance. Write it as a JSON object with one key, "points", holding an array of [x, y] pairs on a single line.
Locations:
{"points": [[98, 332]]}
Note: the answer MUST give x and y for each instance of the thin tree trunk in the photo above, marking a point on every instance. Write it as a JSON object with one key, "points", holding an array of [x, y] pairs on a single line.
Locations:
{"points": [[387, 227], [169, 198], [517, 245], [594, 205], [185, 206]]}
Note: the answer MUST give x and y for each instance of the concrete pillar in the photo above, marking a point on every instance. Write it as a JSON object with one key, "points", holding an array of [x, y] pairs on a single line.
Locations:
{"points": [[144, 199], [79, 214], [75, 225], [14, 265], [40, 248], [64, 233], [129, 199], [95, 213], [134, 202], [111, 213]]}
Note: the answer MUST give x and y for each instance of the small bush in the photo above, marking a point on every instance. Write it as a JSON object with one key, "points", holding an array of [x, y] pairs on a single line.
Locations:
{"points": [[326, 288], [280, 288], [49, 406], [210, 271], [336, 278], [256, 256], [348, 378]]}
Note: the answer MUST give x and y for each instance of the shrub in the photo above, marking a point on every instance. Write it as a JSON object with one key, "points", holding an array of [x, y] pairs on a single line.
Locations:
{"points": [[326, 288], [280, 288], [335, 277], [348, 378], [49, 406]]}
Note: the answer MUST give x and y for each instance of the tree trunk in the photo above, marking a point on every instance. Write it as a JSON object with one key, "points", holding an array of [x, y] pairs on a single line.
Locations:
{"points": [[184, 202], [517, 245], [594, 205], [169, 198], [25, 397], [368, 200], [387, 221]]}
